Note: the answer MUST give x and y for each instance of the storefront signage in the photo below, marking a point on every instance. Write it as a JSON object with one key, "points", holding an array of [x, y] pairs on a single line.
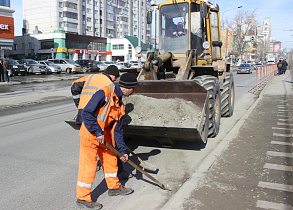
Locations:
{"points": [[105, 52], [93, 52], [6, 27], [62, 50], [71, 50], [5, 48], [86, 51]]}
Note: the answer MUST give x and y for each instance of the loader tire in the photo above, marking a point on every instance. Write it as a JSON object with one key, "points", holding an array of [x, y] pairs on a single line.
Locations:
{"points": [[228, 96], [212, 85]]}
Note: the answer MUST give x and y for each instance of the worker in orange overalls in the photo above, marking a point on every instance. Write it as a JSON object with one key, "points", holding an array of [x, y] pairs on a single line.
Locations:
{"points": [[83, 89], [102, 121]]}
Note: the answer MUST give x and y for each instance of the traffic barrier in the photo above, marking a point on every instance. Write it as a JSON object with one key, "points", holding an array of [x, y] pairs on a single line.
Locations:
{"points": [[263, 75]]}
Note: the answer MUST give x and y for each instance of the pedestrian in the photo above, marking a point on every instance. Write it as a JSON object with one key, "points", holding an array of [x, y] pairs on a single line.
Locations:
{"points": [[84, 88], [102, 121], [1, 71], [280, 66], [285, 64], [5, 67]]}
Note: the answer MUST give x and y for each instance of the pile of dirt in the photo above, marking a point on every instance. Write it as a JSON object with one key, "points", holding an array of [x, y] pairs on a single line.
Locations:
{"points": [[146, 111]]}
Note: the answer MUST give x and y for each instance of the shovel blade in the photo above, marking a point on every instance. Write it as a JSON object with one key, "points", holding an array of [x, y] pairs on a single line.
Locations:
{"points": [[148, 166]]}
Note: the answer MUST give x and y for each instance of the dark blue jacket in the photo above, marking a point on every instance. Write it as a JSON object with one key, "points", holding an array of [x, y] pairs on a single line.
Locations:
{"points": [[90, 120]]}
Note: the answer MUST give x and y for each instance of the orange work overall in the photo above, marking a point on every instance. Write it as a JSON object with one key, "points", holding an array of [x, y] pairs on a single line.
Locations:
{"points": [[90, 148]]}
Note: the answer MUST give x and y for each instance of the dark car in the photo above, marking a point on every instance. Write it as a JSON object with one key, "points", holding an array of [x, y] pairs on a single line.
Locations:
{"points": [[245, 68], [15, 68], [88, 65], [33, 67]]}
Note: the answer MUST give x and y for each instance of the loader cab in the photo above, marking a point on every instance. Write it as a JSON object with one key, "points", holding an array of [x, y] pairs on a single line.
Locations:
{"points": [[200, 23]]}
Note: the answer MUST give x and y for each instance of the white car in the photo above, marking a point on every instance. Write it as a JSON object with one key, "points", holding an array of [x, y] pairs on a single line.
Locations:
{"points": [[120, 66]]}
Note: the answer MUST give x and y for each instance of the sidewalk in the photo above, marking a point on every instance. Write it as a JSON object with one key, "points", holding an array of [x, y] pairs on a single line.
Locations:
{"points": [[233, 175]]}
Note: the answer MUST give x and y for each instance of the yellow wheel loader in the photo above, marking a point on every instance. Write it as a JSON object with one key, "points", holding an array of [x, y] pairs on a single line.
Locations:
{"points": [[189, 66]]}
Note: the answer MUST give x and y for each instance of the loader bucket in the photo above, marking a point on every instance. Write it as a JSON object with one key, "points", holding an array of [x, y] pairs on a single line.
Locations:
{"points": [[187, 92]]}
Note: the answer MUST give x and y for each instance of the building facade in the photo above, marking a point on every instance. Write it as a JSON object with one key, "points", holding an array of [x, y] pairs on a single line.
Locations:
{"points": [[6, 27], [98, 18]]}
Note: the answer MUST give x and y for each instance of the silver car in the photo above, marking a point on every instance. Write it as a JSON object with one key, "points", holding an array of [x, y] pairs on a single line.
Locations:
{"points": [[102, 65], [245, 68], [33, 67], [52, 68]]}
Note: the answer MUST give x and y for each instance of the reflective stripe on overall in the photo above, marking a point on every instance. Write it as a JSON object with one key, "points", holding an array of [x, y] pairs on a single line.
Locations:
{"points": [[90, 148]]}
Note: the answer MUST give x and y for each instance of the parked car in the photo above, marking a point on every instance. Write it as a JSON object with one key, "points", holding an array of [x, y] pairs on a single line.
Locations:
{"points": [[119, 66], [15, 68], [257, 65], [33, 67], [133, 64], [102, 65], [245, 68], [126, 64], [271, 63], [88, 65], [51, 67], [108, 63], [66, 65]]}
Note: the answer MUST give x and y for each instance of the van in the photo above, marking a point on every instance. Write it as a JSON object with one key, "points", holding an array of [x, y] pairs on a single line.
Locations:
{"points": [[67, 65]]}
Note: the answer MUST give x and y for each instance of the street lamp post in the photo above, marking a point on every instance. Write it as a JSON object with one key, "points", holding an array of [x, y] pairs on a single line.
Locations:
{"points": [[227, 11]]}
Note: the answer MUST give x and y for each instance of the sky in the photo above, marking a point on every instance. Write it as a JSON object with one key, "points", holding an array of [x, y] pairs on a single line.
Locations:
{"points": [[280, 13]]}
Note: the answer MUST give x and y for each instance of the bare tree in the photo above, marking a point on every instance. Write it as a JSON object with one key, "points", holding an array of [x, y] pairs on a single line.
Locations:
{"points": [[244, 24], [262, 46]]}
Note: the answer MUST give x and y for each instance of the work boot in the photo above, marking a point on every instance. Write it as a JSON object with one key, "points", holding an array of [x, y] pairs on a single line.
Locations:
{"points": [[124, 174], [120, 191], [88, 205]]}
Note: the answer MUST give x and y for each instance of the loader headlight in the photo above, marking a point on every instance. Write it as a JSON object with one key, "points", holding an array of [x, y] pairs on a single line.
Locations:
{"points": [[206, 45]]}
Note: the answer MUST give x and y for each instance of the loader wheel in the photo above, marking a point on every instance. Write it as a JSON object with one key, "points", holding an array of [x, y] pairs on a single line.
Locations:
{"points": [[228, 96], [212, 85]]}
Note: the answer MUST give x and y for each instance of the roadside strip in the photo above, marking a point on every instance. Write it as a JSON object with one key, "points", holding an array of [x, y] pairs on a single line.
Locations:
{"points": [[179, 198]]}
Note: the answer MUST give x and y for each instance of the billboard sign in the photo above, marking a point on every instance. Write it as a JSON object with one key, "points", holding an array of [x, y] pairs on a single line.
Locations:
{"points": [[6, 27], [277, 47]]}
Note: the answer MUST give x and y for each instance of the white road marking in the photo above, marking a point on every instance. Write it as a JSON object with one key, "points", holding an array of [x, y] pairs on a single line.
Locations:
{"points": [[283, 135], [287, 124], [271, 205], [282, 143], [279, 154], [276, 186], [278, 167], [284, 120], [285, 129]]}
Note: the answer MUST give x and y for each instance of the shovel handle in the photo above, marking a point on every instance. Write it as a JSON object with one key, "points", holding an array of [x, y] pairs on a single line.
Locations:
{"points": [[134, 165]]}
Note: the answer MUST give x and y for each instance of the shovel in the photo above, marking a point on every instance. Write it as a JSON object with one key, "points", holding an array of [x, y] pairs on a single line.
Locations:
{"points": [[143, 164], [136, 166]]}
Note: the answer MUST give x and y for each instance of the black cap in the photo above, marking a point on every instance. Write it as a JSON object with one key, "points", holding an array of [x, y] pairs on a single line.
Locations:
{"points": [[112, 69], [128, 80]]}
